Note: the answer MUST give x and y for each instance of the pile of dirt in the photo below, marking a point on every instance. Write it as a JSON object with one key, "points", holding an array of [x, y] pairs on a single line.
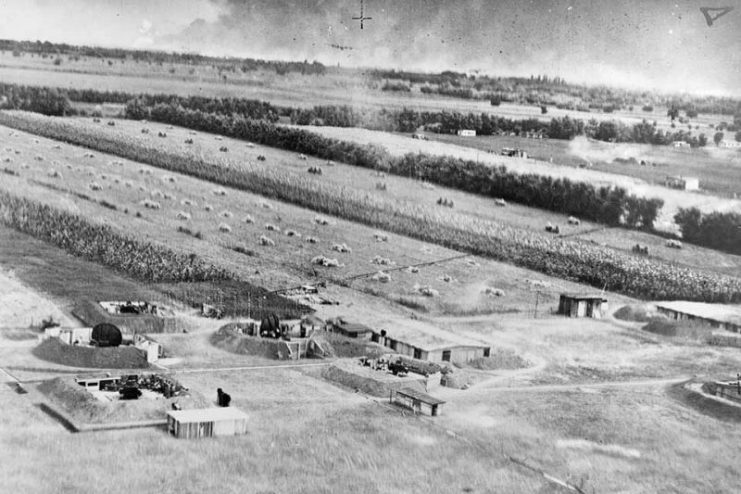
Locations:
{"points": [[75, 401], [232, 341], [679, 329], [91, 313], [122, 357], [83, 408], [637, 313], [337, 345], [350, 374]]}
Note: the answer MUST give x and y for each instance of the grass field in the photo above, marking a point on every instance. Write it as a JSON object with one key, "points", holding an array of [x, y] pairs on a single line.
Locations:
{"points": [[718, 169], [673, 199], [398, 189]]}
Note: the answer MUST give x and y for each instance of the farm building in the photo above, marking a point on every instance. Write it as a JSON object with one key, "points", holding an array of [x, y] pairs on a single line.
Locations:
{"points": [[414, 399], [426, 342], [683, 183], [514, 153], [729, 144], [206, 422], [582, 305], [70, 336], [466, 133], [349, 329], [153, 349], [681, 144], [721, 316]]}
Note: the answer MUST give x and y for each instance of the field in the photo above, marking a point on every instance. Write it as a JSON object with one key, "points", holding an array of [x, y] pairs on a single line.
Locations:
{"points": [[279, 266], [718, 169], [673, 199], [336, 87]]}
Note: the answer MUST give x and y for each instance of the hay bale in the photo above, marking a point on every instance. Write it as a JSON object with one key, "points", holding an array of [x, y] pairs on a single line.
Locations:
{"points": [[272, 228], [95, 186], [311, 240], [223, 227], [266, 241], [182, 215], [292, 233], [248, 219], [342, 248], [326, 262], [381, 277]]}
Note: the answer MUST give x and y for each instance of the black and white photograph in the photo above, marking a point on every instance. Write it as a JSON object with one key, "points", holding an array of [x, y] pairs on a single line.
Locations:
{"points": [[370, 246]]}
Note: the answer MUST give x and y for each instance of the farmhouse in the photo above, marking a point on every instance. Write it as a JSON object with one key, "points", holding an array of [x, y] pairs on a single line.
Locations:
{"points": [[426, 342], [682, 183], [466, 133], [582, 305], [726, 317], [681, 144], [206, 422]]}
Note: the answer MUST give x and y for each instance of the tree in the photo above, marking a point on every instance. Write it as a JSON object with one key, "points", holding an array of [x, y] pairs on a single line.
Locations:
{"points": [[717, 138], [543, 109], [673, 112], [738, 136]]}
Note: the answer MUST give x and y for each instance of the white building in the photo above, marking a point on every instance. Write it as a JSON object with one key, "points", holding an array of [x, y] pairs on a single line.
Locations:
{"points": [[683, 183], [466, 133]]}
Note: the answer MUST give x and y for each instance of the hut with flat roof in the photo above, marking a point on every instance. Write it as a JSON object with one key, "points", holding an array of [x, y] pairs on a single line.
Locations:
{"points": [[582, 305], [727, 317], [206, 422], [424, 341]]}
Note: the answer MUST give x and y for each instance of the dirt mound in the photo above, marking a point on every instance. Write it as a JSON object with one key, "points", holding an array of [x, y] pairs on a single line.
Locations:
{"points": [[680, 329], [500, 358], [337, 345], [689, 394], [637, 313], [83, 408], [122, 357], [376, 383], [229, 340], [91, 313]]}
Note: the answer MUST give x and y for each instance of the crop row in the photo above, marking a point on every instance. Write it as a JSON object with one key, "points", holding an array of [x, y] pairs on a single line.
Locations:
{"points": [[574, 260]]}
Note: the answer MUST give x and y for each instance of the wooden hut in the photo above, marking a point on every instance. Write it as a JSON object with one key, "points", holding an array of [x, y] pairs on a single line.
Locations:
{"points": [[582, 305], [206, 422]]}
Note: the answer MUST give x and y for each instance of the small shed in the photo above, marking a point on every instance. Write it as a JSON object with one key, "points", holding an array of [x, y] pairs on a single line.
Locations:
{"points": [[206, 422], [466, 133], [582, 305], [415, 399]]}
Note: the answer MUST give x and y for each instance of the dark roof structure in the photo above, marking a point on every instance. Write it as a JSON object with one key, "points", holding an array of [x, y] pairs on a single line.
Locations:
{"points": [[418, 395]]}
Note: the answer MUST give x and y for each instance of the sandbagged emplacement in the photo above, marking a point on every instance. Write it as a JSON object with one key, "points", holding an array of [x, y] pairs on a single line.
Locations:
{"points": [[121, 357], [350, 374], [230, 340], [84, 408]]}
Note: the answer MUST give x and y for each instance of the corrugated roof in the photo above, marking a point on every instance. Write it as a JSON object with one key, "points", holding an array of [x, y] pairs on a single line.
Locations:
{"points": [[418, 395], [716, 312], [427, 337], [207, 414]]}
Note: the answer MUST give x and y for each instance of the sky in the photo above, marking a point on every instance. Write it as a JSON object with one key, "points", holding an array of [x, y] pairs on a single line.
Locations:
{"points": [[644, 44]]}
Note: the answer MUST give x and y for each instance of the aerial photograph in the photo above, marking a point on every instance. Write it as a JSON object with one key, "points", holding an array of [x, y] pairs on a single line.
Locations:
{"points": [[370, 246]]}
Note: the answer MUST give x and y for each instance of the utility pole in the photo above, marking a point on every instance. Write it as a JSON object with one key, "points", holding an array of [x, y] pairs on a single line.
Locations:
{"points": [[537, 298]]}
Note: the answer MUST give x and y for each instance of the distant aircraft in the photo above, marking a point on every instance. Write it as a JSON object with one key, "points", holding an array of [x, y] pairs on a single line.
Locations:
{"points": [[362, 17], [341, 47]]}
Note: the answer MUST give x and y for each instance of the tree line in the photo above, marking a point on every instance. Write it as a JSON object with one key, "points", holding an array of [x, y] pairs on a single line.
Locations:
{"points": [[721, 231]]}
